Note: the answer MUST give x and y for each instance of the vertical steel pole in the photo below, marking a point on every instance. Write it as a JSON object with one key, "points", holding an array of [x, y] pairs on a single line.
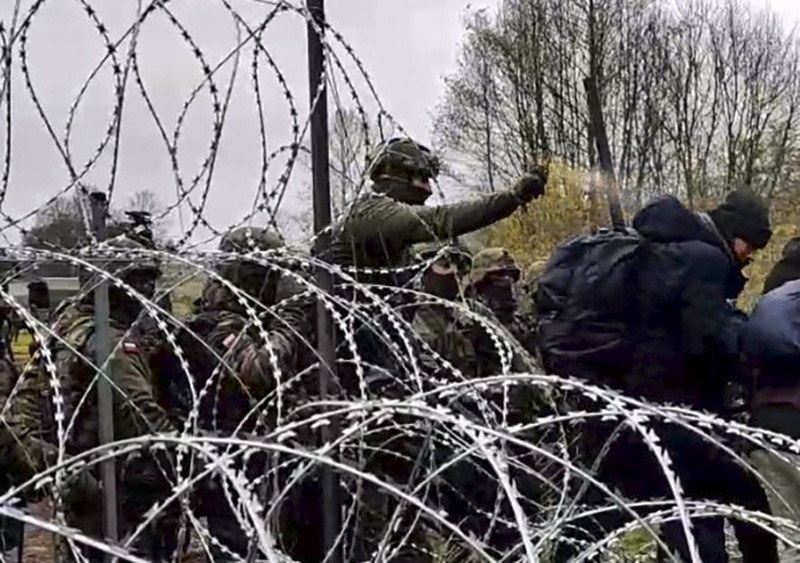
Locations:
{"points": [[322, 220], [105, 398]]}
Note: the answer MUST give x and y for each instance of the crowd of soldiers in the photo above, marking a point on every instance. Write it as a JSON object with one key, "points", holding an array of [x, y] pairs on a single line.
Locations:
{"points": [[243, 364]]}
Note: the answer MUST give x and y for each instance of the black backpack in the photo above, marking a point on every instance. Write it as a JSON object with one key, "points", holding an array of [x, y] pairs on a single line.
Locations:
{"points": [[587, 302]]}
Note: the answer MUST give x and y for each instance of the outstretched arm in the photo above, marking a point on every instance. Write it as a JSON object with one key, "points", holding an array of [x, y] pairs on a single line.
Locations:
{"points": [[387, 220]]}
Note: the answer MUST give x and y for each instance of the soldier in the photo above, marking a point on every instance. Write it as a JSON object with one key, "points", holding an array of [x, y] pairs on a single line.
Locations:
{"points": [[377, 234], [493, 282], [10, 530], [231, 365], [39, 306], [466, 342], [142, 476], [493, 291], [381, 227], [436, 324]]}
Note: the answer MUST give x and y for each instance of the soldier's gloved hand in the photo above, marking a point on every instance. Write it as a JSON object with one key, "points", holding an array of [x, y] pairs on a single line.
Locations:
{"points": [[532, 184]]}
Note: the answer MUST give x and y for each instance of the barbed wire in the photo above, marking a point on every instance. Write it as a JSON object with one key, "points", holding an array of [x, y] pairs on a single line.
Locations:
{"points": [[218, 446]]}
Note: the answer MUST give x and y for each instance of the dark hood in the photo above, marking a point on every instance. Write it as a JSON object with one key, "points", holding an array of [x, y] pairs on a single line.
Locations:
{"points": [[667, 220]]}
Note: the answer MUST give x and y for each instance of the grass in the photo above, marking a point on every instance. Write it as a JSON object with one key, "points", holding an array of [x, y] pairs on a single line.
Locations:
{"points": [[20, 349]]}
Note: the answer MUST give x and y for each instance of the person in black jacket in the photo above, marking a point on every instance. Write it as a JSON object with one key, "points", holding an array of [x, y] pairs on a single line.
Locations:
{"points": [[684, 350]]}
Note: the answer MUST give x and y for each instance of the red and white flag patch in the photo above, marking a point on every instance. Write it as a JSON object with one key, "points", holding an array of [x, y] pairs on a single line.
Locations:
{"points": [[130, 347], [229, 340]]}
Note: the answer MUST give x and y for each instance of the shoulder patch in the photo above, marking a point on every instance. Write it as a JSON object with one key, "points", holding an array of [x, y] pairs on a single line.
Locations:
{"points": [[130, 347], [229, 340]]}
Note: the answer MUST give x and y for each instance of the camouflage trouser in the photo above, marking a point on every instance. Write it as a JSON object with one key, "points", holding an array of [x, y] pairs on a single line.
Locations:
{"points": [[399, 458], [140, 485], [296, 525]]}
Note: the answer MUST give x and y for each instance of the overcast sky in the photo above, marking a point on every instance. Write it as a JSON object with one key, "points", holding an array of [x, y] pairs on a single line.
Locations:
{"points": [[406, 47]]}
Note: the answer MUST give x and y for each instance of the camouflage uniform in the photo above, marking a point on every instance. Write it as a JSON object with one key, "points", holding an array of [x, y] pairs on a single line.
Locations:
{"points": [[10, 529], [377, 235], [498, 297], [439, 325], [381, 227], [142, 477], [231, 364], [376, 239]]}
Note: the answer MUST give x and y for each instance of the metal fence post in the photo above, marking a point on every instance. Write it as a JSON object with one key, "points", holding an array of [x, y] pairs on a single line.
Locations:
{"points": [[322, 219], [105, 398]]}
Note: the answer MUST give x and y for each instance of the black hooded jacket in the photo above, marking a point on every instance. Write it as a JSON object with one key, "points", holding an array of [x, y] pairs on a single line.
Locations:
{"points": [[687, 335]]}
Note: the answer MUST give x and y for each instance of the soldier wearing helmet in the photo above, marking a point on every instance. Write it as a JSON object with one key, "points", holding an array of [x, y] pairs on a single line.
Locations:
{"points": [[437, 323], [376, 237], [446, 266], [472, 346], [137, 411], [239, 346], [381, 227], [224, 323], [257, 280], [493, 281], [494, 284]]}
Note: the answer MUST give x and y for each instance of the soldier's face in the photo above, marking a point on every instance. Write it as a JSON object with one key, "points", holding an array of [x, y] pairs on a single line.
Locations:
{"points": [[499, 288], [422, 183], [442, 280], [503, 278], [143, 281], [420, 190], [260, 281]]}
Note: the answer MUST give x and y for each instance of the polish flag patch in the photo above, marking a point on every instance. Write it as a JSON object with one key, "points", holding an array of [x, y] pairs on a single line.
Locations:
{"points": [[130, 347], [229, 340]]}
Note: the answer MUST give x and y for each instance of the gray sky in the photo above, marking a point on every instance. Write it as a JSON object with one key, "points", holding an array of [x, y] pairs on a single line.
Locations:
{"points": [[406, 47]]}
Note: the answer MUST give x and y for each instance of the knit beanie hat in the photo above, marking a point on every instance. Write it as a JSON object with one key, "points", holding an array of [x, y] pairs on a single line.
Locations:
{"points": [[743, 215]]}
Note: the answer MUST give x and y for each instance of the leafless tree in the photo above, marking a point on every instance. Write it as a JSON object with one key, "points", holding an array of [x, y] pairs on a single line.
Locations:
{"points": [[699, 95]]}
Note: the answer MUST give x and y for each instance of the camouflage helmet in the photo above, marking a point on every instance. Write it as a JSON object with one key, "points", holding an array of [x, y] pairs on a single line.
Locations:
{"points": [[248, 239], [122, 257], [402, 157], [126, 254], [492, 260], [456, 252], [255, 278]]}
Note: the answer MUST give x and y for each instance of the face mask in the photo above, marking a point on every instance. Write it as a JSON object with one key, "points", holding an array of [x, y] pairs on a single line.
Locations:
{"points": [[259, 281], [499, 292], [444, 286], [404, 191], [499, 297]]}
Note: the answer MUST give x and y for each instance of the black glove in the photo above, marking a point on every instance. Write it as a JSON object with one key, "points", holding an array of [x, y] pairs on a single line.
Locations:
{"points": [[532, 184]]}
